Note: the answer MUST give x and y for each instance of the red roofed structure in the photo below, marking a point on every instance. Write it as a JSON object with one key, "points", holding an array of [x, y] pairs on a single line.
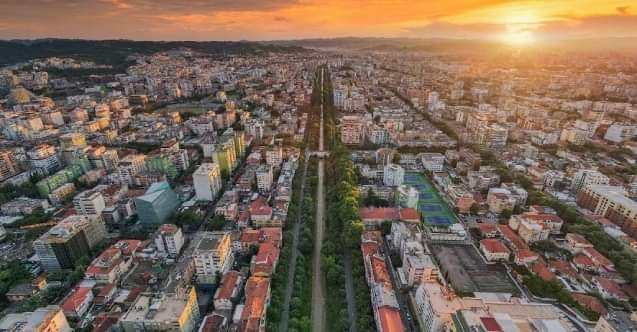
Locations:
{"points": [[112, 262], [494, 249], [77, 303], [260, 211], [257, 293], [583, 262], [590, 302], [373, 217], [229, 290], [526, 257], [564, 268], [541, 270], [609, 289], [601, 262], [490, 324], [390, 320], [512, 238], [264, 262]]}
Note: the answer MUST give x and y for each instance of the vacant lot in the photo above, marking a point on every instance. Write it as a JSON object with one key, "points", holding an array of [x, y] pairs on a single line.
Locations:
{"points": [[463, 267]]}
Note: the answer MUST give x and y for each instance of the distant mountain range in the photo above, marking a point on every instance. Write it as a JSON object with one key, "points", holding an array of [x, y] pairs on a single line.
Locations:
{"points": [[114, 52], [459, 45]]}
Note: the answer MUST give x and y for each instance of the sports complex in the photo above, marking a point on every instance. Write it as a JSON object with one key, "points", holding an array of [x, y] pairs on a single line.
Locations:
{"points": [[433, 208]]}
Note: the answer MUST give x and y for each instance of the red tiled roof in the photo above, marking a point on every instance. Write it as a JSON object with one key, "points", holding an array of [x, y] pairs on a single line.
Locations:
{"points": [[525, 254], [494, 246], [260, 207], [542, 271], [564, 268], [490, 324], [128, 247], [212, 323], [487, 228], [610, 287], [369, 248], [256, 290], [599, 259], [75, 299], [379, 270], [509, 234], [106, 290], [228, 285], [390, 319], [104, 321], [265, 258], [583, 260], [409, 214], [590, 302], [578, 239], [272, 235], [379, 214], [542, 217], [249, 236]]}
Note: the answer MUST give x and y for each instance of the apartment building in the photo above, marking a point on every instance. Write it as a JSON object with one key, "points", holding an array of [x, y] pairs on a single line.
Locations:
{"points": [[352, 130], [89, 202], [585, 177], [169, 240], [62, 245], [162, 312], [393, 175], [49, 319], [212, 255], [612, 203], [207, 181], [265, 177], [129, 167]]}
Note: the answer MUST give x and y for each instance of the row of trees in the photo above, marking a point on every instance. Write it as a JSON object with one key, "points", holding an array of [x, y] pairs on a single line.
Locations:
{"points": [[343, 232]]}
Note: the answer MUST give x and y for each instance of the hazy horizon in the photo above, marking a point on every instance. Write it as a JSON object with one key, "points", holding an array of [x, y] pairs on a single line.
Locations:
{"points": [[517, 21]]}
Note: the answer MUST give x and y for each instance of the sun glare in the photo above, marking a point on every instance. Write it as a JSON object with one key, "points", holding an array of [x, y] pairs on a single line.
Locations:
{"points": [[519, 37]]}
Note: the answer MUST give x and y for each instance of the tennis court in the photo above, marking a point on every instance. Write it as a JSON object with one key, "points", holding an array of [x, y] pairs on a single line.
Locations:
{"points": [[433, 208]]}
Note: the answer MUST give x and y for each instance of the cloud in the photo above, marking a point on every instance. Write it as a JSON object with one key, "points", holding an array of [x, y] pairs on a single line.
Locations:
{"points": [[623, 10], [444, 29], [590, 26]]}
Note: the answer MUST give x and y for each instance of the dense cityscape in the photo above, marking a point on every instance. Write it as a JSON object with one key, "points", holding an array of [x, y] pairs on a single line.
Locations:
{"points": [[344, 184]]}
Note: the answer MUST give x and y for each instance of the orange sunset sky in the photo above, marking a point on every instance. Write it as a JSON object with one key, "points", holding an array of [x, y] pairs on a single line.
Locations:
{"points": [[518, 21]]}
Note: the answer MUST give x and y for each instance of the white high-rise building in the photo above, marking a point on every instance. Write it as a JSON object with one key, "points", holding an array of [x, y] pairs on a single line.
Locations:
{"points": [[212, 254], [585, 177], [433, 162], [393, 175], [169, 240], [89, 202], [207, 181]]}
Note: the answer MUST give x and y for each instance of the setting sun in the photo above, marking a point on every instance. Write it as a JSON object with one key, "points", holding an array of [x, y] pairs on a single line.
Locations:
{"points": [[519, 37]]}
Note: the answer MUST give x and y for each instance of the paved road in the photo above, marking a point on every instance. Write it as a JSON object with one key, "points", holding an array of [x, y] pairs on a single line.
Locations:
{"points": [[318, 295], [285, 317], [349, 291]]}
